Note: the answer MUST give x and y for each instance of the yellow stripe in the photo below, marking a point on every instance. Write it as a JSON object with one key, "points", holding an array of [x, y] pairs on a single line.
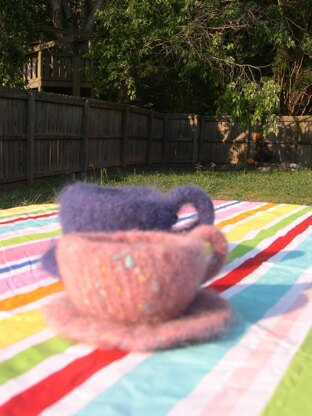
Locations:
{"points": [[19, 210], [238, 232], [20, 326], [244, 215]]}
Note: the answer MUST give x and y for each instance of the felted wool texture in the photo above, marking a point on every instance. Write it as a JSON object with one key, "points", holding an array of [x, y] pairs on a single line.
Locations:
{"points": [[138, 276], [208, 317], [88, 207]]}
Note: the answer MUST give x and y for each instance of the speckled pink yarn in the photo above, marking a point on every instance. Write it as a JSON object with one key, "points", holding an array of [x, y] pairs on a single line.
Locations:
{"points": [[137, 276], [127, 285], [208, 317]]}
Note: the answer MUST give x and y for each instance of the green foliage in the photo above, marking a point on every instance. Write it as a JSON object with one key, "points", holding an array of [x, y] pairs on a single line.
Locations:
{"points": [[244, 59], [253, 103], [17, 21]]}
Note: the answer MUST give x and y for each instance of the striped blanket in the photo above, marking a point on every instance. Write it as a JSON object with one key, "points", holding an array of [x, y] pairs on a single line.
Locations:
{"points": [[262, 366]]}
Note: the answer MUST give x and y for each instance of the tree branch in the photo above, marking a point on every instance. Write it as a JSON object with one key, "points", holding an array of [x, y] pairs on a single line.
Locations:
{"points": [[68, 17], [90, 19]]}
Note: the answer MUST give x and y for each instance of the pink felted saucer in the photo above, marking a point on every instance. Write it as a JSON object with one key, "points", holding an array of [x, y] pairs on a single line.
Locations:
{"points": [[206, 318]]}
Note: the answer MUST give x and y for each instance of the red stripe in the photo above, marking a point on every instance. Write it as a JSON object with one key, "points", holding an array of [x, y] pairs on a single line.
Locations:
{"points": [[250, 265], [57, 385], [48, 391], [31, 217]]}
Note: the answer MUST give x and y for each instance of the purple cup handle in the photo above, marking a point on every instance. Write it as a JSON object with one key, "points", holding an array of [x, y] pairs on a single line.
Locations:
{"points": [[190, 194], [49, 263]]}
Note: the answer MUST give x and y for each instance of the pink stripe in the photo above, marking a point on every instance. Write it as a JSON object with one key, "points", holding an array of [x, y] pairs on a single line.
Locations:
{"points": [[227, 213], [23, 252], [225, 400], [219, 202], [23, 279]]}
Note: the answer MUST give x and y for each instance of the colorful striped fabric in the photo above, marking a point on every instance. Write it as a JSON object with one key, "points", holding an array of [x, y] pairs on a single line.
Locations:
{"points": [[262, 366]]}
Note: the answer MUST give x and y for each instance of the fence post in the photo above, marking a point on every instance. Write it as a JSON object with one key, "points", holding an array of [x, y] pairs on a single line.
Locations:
{"points": [[297, 141], [30, 138], [149, 138], [195, 140], [201, 139], [85, 137], [165, 139], [125, 124], [248, 155]]}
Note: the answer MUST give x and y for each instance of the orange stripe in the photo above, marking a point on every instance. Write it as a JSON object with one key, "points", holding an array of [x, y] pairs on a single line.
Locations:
{"points": [[244, 215], [26, 298]]}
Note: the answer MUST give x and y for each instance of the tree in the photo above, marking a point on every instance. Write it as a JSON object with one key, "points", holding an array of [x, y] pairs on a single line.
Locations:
{"points": [[21, 22], [18, 18], [248, 59]]}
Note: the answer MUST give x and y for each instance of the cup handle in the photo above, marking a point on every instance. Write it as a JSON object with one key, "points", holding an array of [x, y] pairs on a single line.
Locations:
{"points": [[211, 236], [190, 194], [49, 263]]}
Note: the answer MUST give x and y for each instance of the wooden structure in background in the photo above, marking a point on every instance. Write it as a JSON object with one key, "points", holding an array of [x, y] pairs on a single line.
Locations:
{"points": [[57, 72], [47, 134], [59, 65]]}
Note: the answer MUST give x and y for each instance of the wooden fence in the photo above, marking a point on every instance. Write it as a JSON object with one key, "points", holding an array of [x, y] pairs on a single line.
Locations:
{"points": [[46, 134]]}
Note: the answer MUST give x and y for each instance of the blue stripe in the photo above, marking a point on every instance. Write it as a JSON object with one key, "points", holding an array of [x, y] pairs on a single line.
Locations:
{"points": [[18, 266], [193, 215], [188, 217], [158, 383], [27, 224], [228, 205]]}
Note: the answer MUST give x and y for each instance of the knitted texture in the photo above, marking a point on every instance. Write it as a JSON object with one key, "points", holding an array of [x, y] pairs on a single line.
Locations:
{"points": [[208, 317], [136, 275], [132, 283], [88, 207]]}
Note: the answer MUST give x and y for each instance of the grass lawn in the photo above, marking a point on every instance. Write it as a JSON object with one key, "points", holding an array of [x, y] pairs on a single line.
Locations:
{"points": [[275, 186]]}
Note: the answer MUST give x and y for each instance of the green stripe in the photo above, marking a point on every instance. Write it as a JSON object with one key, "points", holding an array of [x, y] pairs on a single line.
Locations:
{"points": [[247, 245], [29, 238], [28, 213], [293, 396], [29, 358]]}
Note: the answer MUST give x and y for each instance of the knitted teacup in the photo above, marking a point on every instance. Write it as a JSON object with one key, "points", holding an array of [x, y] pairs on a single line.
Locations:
{"points": [[138, 276], [88, 207]]}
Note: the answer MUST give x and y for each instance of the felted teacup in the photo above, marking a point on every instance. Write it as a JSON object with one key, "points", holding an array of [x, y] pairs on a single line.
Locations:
{"points": [[89, 207], [140, 289]]}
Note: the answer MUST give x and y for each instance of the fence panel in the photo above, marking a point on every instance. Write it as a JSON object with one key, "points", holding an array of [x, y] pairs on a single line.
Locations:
{"points": [[58, 136], [13, 137], [45, 134], [105, 135]]}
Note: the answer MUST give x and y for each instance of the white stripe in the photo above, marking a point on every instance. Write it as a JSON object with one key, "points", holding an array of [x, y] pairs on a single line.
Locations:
{"points": [[30, 210], [253, 233], [253, 277], [95, 385], [26, 219], [50, 366], [260, 247], [33, 305], [257, 397], [271, 222], [18, 347], [26, 243], [252, 205], [37, 229], [253, 217], [214, 381], [28, 288], [14, 272], [230, 215]]}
